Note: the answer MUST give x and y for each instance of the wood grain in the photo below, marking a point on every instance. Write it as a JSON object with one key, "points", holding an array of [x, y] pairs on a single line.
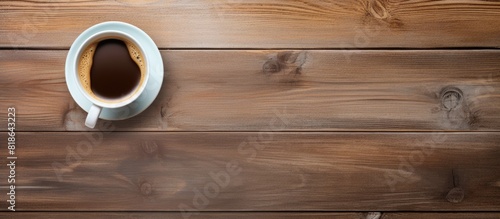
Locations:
{"points": [[260, 23], [255, 171], [269, 109], [246, 215], [178, 215], [456, 215], [247, 90]]}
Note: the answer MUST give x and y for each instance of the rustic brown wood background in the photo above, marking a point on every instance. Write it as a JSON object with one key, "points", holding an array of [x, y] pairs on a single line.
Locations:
{"points": [[329, 109]]}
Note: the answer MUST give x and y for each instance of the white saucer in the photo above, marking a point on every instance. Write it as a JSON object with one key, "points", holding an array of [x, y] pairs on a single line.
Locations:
{"points": [[154, 63]]}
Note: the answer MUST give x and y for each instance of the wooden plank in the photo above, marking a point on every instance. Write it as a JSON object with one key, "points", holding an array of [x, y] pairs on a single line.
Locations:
{"points": [[256, 171], [261, 23], [245, 215], [178, 215], [307, 90], [416, 215]]}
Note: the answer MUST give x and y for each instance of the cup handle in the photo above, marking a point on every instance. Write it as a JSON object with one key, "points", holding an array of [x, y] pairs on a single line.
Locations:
{"points": [[93, 116]]}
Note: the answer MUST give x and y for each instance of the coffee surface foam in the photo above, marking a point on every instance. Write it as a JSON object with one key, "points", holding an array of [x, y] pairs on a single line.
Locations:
{"points": [[85, 66]]}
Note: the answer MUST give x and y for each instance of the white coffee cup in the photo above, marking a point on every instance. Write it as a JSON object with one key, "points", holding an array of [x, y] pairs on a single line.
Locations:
{"points": [[98, 103]]}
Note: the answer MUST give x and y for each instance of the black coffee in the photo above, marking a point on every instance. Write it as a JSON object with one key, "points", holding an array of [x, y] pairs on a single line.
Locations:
{"points": [[113, 73]]}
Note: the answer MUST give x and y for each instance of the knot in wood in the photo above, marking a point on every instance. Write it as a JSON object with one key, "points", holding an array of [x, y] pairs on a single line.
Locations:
{"points": [[373, 215], [271, 66], [163, 111], [149, 147], [378, 9], [451, 98], [455, 195], [146, 188], [287, 57]]}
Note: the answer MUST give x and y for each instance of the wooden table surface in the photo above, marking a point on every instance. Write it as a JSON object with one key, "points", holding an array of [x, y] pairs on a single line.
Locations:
{"points": [[269, 109]]}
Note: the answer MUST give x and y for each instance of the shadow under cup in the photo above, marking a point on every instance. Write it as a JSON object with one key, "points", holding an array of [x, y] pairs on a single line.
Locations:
{"points": [[84, 63]]}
